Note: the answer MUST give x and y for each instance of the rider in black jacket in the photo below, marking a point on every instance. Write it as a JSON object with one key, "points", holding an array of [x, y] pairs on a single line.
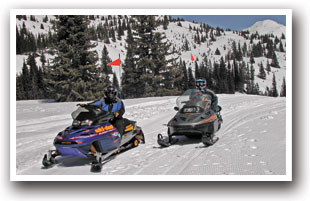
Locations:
{"points": [[201, 84]]}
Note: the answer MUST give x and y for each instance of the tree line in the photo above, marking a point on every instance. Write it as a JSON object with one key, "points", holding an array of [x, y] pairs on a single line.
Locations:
{"points": [[149, 69]]}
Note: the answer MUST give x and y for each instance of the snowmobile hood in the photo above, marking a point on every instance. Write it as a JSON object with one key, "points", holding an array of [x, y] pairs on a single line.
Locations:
{"points": [[84, 134]]}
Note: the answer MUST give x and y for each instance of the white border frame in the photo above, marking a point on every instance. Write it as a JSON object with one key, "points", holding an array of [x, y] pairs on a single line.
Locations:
{"points": [[286, 12]]}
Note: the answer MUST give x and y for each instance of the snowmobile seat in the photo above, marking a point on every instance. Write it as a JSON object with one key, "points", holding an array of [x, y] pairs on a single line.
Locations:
{"points": [[128, 125]]}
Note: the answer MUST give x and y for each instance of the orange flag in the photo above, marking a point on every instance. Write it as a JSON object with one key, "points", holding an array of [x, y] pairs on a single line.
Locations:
{"points": [[192, 57], [117, 62]]}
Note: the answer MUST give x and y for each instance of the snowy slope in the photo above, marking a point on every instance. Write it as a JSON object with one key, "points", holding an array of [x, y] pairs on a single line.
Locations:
{"points": [[35, 26], [252, 140], [176, 35]]}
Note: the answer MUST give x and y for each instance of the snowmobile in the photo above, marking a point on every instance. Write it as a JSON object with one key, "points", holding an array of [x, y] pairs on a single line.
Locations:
{"points": [[194, 118], [92, 136]]}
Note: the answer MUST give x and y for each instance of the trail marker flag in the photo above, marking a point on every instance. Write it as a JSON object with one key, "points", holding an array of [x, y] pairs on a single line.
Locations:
{"points": [[117, 62], [192, 57]]}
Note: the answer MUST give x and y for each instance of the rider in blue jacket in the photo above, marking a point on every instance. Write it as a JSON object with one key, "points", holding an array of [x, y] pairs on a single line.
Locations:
{"points": [[113, 104]]}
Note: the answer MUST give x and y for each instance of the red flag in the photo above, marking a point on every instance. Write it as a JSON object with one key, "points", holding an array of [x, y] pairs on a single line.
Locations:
{"points": [[117, 62], [192, 57]]}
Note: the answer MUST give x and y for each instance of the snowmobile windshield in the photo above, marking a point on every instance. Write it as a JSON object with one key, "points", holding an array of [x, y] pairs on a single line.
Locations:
{"points": [[193, 101], [88, 112]]}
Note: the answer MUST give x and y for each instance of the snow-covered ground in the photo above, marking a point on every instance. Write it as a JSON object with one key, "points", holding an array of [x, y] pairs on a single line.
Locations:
{"points": [[252, 139]]}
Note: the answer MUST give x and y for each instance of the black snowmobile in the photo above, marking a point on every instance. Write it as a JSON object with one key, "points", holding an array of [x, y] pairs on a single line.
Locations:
{"points": [[195, 118], [91, 135]]}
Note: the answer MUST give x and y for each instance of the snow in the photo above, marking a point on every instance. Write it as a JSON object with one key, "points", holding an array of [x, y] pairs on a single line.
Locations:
{"points": [[252, 140]]}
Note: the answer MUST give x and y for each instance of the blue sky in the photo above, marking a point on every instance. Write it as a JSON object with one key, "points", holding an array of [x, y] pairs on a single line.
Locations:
{"points": [[234, 22]]}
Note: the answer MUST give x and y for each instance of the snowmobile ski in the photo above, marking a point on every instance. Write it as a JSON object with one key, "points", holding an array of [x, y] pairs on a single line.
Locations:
{"points": [[164, 143], [96, 166], [48, 160], [209, 141]]}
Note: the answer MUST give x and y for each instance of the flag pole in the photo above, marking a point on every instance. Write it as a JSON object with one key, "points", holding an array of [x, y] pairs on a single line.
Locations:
{"points": [[117, 62], [120, 82]]}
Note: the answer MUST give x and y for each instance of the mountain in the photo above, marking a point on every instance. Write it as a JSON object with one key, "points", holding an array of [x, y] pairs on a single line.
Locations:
{"points": [[267, 27], [200, 40]]}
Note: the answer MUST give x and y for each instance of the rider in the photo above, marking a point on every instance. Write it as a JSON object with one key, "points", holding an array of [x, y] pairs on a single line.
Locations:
{"points": [[113, 104], [201, 84]]}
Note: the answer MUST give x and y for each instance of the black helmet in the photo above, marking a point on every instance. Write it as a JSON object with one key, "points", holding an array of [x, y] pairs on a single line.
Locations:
{"points": [[110, 93], [201, 83]]}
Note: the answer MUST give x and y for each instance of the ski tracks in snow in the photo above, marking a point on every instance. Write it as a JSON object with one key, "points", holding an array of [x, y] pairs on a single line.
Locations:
{"points": [[253, 127]]}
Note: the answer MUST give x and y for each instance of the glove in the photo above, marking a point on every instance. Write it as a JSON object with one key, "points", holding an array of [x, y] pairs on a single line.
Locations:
{"points": [[80, 104]]}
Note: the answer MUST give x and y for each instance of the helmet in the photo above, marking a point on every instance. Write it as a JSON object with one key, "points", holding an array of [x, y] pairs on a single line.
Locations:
{"points": [[110, 93], [201, 83]]}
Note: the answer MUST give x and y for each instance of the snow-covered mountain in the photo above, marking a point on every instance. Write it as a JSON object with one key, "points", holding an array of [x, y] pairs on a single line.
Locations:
{"points": [[267, 27], [177, 33]]}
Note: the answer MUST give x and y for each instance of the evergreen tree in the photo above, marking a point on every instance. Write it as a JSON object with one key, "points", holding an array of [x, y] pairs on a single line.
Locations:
{"points": [[20, 93], [155, 75], [191, 79], [112, 34], [144, 38], [252, 74], [185, 76], [250, 87], [262, 73], [256, 89], [115, 82], [274, 91], [252, 60], [34, 89], [186, 45], [230, 82], [267, 92], [105, 59], [197, 73], [283, 36], [23, 84], [74, 75], [130, 77], [32, 18], [281, 47], [283, 88], [237, 54], [45, 19], [223, 82], [239, 76], [217, 52], [268, 68], [42, 59], [165, 22], [18, 42], [274, 62]]}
